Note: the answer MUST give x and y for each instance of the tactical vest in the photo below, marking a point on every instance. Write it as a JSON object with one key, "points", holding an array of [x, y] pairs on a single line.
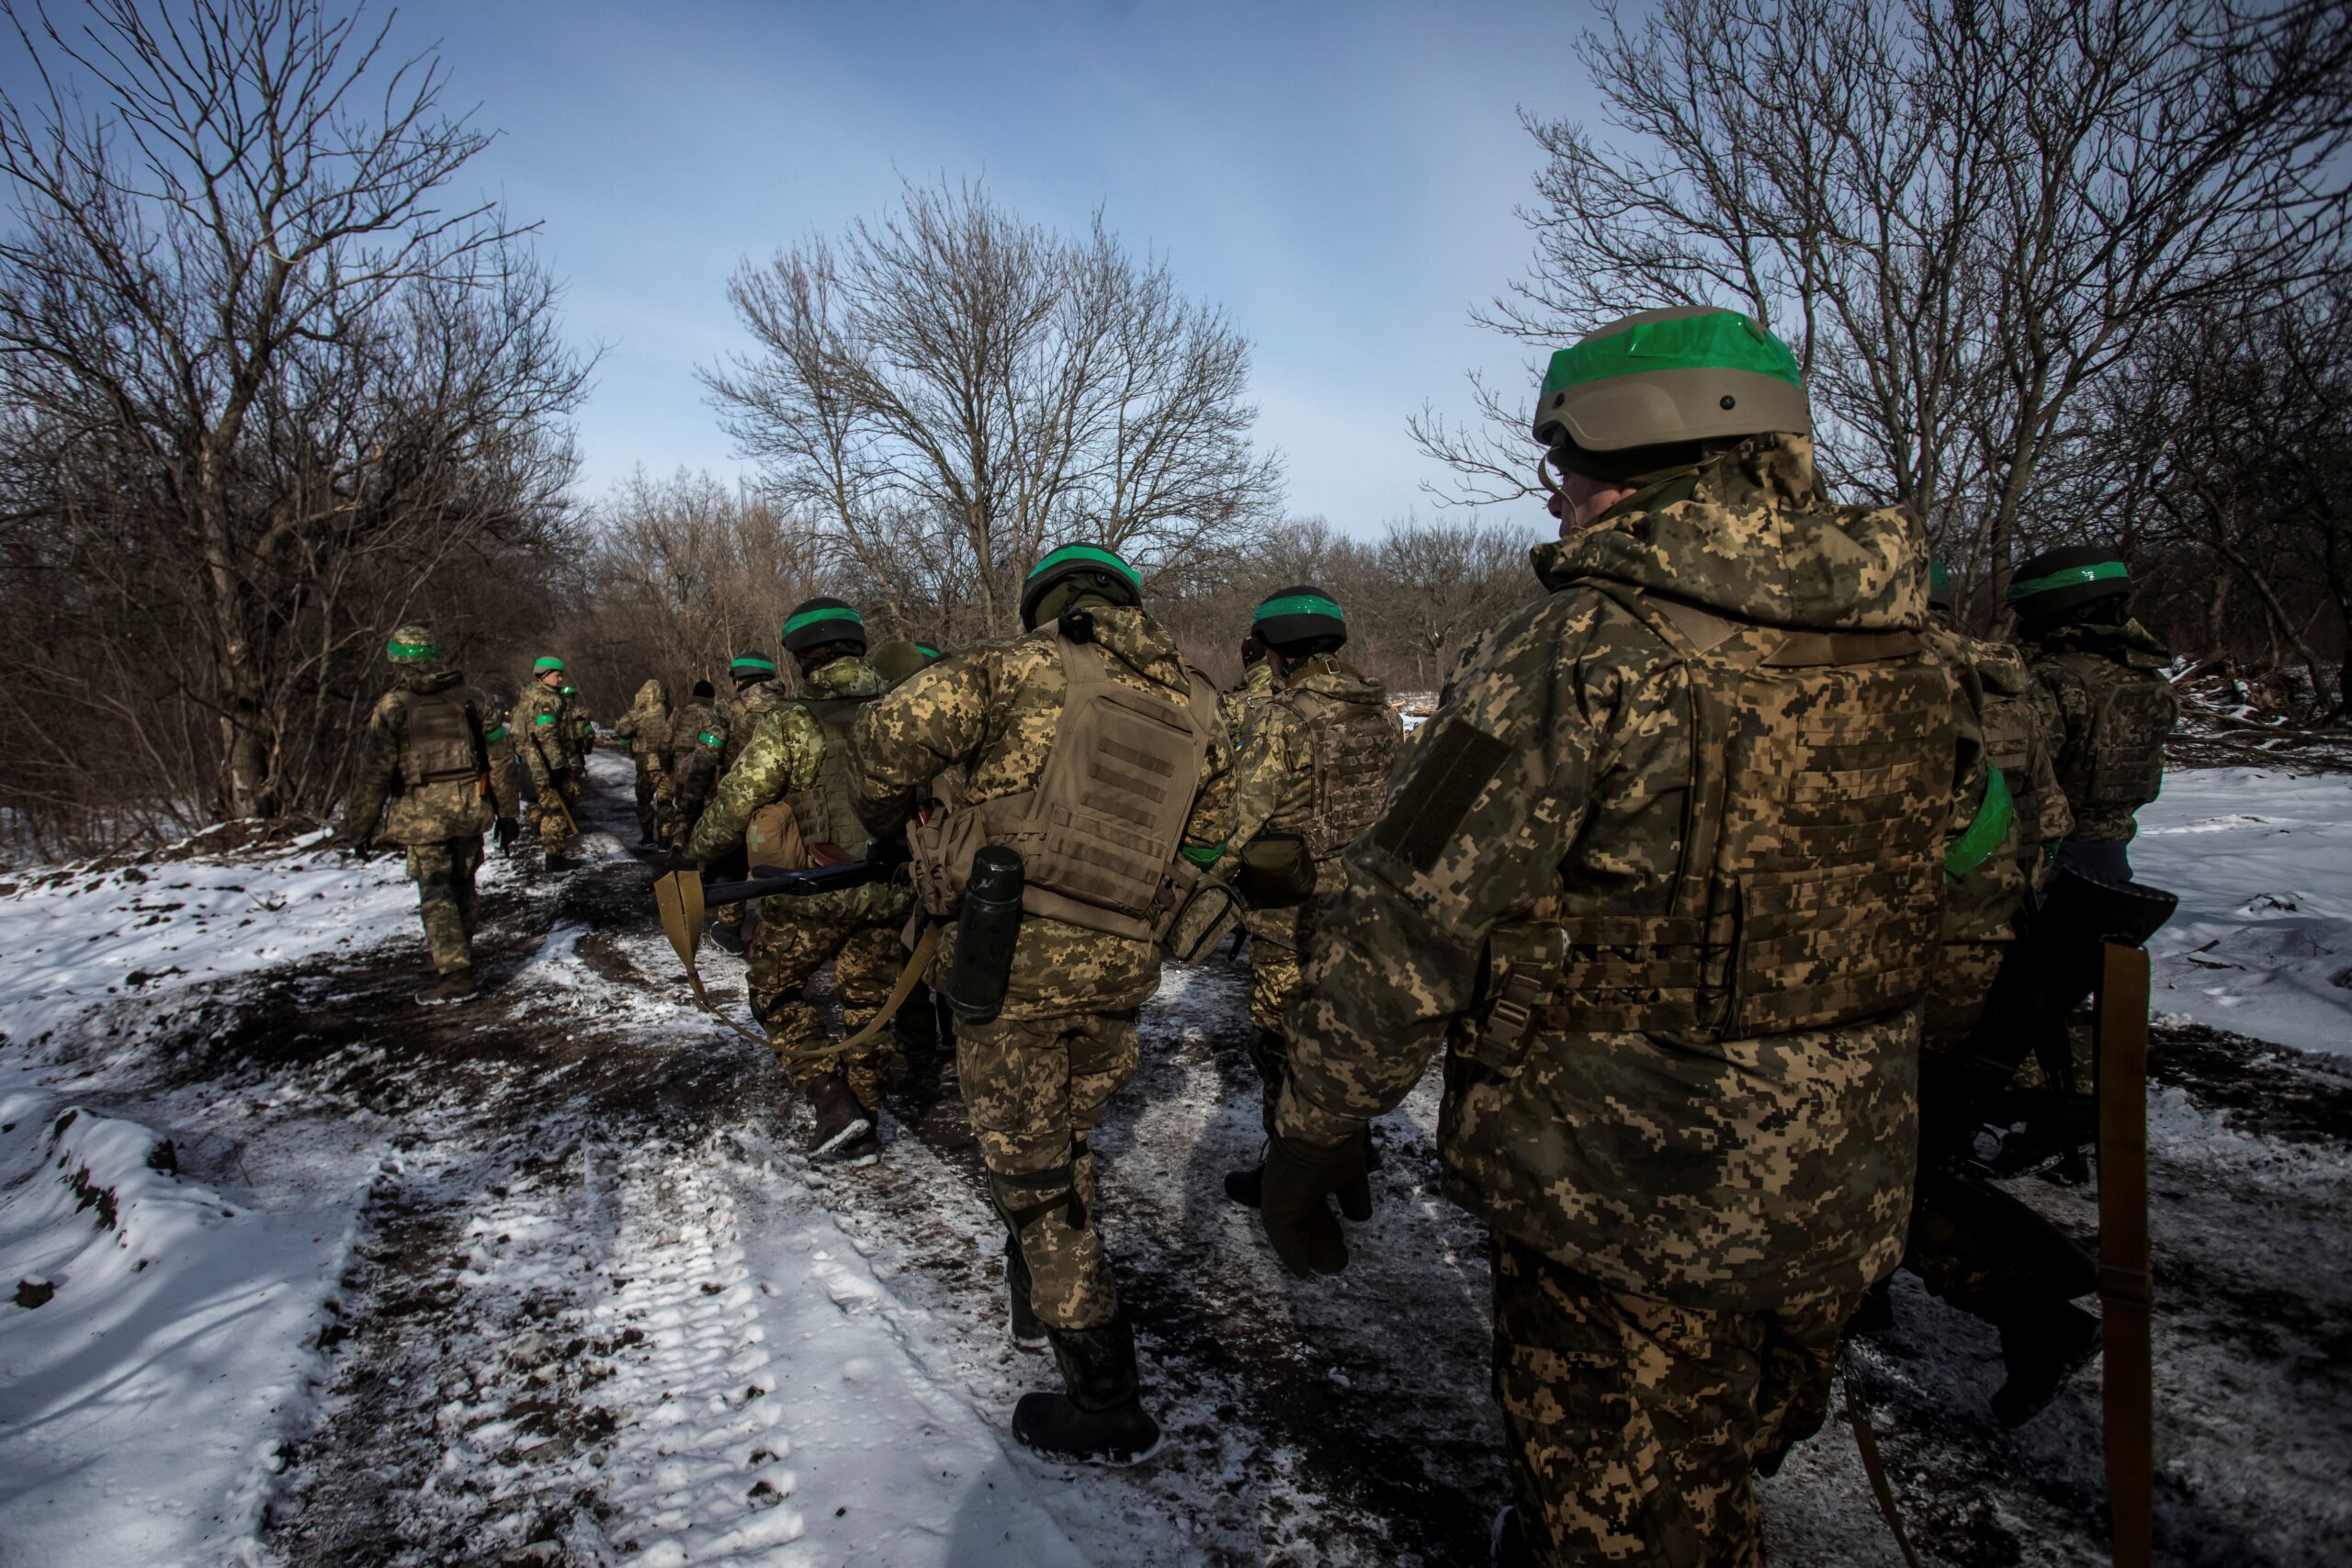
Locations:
{"points": [[1100, 832], [1811, 851], [824, 811], [441, 739], [1354, 751], [2116, 761]]}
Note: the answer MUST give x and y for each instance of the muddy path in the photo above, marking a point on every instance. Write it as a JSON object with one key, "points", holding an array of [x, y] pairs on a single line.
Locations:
{"points": [[477, 1345]]}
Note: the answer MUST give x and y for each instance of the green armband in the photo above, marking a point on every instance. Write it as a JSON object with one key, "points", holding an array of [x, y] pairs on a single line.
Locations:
{"points": [[1205, 858], [1983, 835], [708, 738]]}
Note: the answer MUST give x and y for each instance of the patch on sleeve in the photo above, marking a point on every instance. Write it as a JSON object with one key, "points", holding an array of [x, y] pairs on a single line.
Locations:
{"points": [[1458, 761]]}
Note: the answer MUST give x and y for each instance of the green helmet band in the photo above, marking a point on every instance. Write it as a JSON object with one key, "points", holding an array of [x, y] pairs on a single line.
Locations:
{"points": [[2068, 577], [1075, 561], [1722, 340], [1298, 605], [407, 653], [547, 662], [811, 617], [743, 661], [1663, 378]]}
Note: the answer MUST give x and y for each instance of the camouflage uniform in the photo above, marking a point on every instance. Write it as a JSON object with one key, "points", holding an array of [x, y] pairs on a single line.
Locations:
{"points": [[646, 728], [429, 759], [540, 725], [733, 719], [783, 755], [693, 729], [1035, 1080], [1323, 717], [1681, 1033], [1237, 707], [2110, 709], [577, 727]]}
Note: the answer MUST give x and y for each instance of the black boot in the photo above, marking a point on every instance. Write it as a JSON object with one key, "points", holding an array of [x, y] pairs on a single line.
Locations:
{"points": [[1247, 1188], [1101, 1416], [2042, 1350], [841, 1120], [1026, 1330], [731, 937]]}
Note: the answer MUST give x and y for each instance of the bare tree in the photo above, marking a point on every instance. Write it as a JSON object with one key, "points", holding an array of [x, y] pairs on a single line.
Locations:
{"points": [[271, 382], [1962, 215], [947, 391]]}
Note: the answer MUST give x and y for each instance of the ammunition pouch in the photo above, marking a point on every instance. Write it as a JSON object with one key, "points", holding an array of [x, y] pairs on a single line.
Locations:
{"points": [[1201, 913], [772, 840], [1277, 872]]}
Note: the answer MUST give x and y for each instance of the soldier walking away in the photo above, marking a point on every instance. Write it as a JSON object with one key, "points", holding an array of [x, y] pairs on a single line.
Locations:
{"points": [[1094, 765], [1238, 703], [757, 692], [579, 726], [796, 754], [2110, 708], [542, 739], [693, 730], [646, 728], [427, 755], [1308, 784], [1971, 1243], [1664, 880]]}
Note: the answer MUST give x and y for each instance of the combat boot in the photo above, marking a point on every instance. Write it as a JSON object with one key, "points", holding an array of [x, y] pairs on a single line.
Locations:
{"points": [[861, 1148], [1246, 1187], [456, 986], [1100, 1415], [1027, 1331], [730, 938], [839, 1118], [2042, 1349]]}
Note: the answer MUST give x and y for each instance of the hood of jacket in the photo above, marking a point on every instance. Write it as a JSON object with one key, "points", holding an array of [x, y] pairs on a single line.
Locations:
{"points": [[1327, 676], [2130, 643], [849, 676], [1751, 534], [425, 681], [652, 698]]}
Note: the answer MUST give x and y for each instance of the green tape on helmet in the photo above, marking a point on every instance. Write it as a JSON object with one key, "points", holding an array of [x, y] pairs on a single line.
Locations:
{"points": [[402, 652], [1299, 604], [811, 617], [546, 662], [751, 661], [2068, 577], [1722, 339], [1072, 554]]}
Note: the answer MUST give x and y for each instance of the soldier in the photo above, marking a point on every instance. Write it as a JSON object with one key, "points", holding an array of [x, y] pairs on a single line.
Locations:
{"points": [[797, 752], [426, 754], [1663, 879], [693, 730], [2110, 707], [579, 726], [1973, 1245], [1091, 724], [646, 728], [897, 662], [541, 740], [757, 692], [1309, 783], [1238, 703]]}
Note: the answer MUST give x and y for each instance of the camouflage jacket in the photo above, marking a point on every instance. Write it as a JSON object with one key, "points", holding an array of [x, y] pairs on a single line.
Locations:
{"points": [[989, 715], [541, 721], [646, 726], [783, 750], [431, 811], [1275, 777], [693, 729], [2000, 698], [1694, 1167], [2111, 710], [1239, 705]]}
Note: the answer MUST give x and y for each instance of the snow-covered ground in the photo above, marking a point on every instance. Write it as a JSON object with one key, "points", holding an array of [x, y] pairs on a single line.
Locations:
{"points": [[324, 1278], [2262, 944]]}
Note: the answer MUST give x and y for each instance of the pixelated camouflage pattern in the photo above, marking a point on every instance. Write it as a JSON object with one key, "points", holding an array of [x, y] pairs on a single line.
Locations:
{"points": [[1981, 916], [646, 725], [1274, 788], [821, 805], [444, 874], [988, 714], [1237, 706], [1633, 1425], [681, 793], [1726, 1175], [866, 957], [432, 812], [537, 725], [1034, 1089], [2112, 710]]}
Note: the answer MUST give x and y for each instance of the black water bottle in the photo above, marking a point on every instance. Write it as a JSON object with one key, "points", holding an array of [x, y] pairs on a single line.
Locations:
{"points": [[985, 933]]}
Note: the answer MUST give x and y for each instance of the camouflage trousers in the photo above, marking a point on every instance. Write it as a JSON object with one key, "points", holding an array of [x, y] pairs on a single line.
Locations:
{"points": [[786, 954], [1958, 983], [1274, 983], [1034, 1088], [648, 774], [553, 831], [1633, 1425], [444, 874]]}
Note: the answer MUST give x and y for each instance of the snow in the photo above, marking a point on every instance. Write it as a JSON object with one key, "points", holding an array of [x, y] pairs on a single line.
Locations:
{"points": [[2262, 944]]}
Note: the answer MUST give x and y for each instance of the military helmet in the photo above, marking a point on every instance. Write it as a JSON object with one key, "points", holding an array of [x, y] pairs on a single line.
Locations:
{"points": [[546, 662], [1300, 614], [1939, 585], [748, 667], [816, 621], [1086, 569], [413, 644], [1660, 377], [895, 662], [2050, 584]]}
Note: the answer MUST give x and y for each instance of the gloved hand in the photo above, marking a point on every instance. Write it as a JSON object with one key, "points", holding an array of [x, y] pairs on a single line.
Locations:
{"points": [[504, 831], [1298, 1223]]}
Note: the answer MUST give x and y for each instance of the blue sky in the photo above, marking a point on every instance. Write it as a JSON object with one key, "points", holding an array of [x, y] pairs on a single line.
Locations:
{"points": [[1338, 176]]}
